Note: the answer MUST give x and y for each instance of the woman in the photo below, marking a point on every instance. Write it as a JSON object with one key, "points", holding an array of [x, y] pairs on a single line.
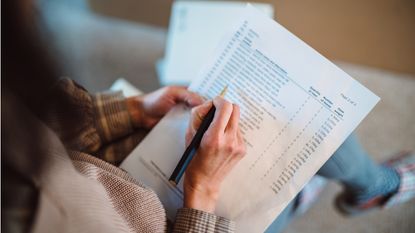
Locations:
{"points": [[57, 172], [52, 182]]}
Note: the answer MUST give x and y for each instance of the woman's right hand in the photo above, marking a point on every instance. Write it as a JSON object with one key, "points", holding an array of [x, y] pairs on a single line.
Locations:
{"points": [[221, 148]]}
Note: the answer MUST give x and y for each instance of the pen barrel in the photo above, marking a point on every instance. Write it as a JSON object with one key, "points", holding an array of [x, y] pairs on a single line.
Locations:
{"points": [[192, 148]]}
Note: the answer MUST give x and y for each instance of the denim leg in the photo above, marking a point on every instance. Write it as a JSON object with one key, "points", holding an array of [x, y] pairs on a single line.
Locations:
{"points": [[283, 219], [352, 166], [349, 164]]}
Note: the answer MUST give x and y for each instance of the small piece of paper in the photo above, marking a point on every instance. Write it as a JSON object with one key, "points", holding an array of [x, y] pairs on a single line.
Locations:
{"points": [[195, 30]]}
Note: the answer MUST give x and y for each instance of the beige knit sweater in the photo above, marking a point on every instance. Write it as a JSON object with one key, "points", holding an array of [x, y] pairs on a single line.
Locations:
{"points": [[52, 183]]}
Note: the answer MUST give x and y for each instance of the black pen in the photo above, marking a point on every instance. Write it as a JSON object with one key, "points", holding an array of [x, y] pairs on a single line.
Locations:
{"points": [[194, 144]]}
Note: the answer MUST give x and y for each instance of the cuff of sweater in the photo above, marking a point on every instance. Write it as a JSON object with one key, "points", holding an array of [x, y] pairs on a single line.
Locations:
{"points": [[113, 119], [192, 220]]}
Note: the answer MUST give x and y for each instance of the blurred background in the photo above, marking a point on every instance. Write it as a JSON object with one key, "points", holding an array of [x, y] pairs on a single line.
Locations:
{"points": [[377, 33], [98, 41], [373, 33]]}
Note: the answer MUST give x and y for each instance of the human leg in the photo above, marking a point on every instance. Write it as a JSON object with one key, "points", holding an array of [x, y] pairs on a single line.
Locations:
{"points": [[360, 175], [299, 205], [339, 167], [283, 219]]}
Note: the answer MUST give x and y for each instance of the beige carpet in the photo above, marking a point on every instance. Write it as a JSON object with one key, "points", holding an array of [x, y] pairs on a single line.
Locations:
{"points": [[96, 51]]}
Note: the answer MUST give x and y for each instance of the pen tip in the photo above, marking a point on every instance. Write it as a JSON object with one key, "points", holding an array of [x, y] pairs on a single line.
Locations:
{"points": [[223, 92]]}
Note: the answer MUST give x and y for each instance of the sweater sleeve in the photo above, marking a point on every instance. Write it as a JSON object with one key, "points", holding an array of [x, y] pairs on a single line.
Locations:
{"points": [[86, 122], [111, 115], [192, 220]]}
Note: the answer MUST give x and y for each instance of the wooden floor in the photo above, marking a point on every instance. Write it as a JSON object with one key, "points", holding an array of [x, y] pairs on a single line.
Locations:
{"points": [[379, 33]]}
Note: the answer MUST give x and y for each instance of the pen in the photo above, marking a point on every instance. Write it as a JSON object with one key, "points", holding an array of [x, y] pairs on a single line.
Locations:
{"points": [[194, 144]]}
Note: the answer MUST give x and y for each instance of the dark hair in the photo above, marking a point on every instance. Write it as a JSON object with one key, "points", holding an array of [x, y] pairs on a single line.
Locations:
{"points": [[27, 75], [27, 70]]}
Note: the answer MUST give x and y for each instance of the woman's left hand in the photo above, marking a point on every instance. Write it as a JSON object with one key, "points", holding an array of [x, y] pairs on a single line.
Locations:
{"points": [[148, 109]]}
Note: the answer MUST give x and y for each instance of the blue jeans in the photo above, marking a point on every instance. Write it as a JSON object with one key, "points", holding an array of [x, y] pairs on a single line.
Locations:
{"points": [[350, 165]]}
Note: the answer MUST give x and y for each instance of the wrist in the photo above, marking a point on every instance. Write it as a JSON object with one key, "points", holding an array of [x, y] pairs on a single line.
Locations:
{"points": [[200, 198], [135, 110]]}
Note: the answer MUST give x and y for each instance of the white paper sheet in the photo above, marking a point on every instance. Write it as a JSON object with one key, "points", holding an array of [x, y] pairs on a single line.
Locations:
{"points": [[195, 30], [296, 110], [126, 87]]}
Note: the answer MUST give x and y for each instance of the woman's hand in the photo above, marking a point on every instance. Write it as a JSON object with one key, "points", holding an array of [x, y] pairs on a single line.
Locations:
{"points": [[221, 148], [147, 110]]}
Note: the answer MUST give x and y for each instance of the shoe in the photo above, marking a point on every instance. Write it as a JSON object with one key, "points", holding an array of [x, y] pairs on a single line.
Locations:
{"points": [[404, 165]]}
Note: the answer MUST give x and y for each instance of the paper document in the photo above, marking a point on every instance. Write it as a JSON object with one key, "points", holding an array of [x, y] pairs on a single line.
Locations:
{"points": [[127, 88], [195, 30], [297, 108]]}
